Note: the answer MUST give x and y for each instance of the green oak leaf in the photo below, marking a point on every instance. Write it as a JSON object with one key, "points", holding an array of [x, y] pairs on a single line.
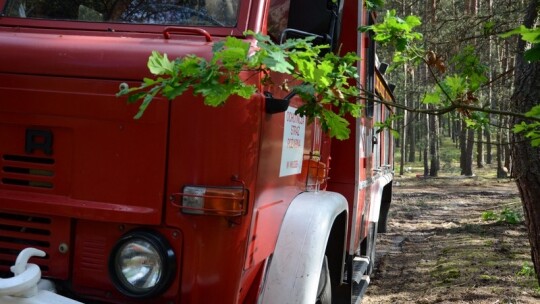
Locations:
{"points": [[336, 125], [159, 64]]}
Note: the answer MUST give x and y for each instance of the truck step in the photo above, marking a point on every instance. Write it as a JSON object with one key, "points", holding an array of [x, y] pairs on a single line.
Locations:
{"points": [[360, 265], [359, 289]]}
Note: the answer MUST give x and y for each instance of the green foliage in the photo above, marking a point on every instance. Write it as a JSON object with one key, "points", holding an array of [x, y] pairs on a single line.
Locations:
{"points": [[477, 120], [324, 77], [488, 27], [395, 31], [469, 66], [529, 130], [531, 36], [374, 4], [452, 89], [527, 270], [399, 34], [510, 216], [206, 78], [388, 125], [459, 89], [489, 215], [507, 215], [456, 85], [456, 89]]}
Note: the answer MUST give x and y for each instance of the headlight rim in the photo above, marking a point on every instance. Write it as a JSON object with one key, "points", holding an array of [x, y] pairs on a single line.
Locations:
{"points": [[162, 247]]}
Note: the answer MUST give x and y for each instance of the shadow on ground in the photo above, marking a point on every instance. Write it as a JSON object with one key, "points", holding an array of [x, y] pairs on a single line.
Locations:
{"points": [[439, 249]]}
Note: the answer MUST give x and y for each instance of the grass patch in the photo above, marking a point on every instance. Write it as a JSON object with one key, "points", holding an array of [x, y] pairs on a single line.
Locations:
{"points": [[527, 270], [507, 215]]}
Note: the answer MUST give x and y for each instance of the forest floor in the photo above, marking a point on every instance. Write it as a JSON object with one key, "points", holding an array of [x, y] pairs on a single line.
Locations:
{"points": [[451, 240]]}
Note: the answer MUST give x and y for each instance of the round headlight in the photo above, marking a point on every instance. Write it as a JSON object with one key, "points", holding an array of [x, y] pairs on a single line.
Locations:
{"points": [[142, 264]]}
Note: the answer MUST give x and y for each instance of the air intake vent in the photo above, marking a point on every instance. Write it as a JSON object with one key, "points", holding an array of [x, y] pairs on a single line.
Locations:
{"points": [[47, 233], [21, 231], [25, 171]]}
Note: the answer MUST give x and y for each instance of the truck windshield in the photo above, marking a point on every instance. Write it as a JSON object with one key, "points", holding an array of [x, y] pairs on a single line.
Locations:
{"points": [[221, 13]]}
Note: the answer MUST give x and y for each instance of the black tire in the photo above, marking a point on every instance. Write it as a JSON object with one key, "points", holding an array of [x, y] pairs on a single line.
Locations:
{"points": [[383, 218], [324, 291], [385, 207], [371, 246]]}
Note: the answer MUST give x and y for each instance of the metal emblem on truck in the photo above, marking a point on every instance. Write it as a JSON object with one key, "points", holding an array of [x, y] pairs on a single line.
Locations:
{"points": [[38, 140]]}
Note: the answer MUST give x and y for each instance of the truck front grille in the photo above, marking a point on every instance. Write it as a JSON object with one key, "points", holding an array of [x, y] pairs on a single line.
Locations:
{"points": [[18, 232], [34, 172]]}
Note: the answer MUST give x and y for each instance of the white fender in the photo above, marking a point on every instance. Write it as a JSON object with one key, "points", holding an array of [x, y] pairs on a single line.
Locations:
{"points": [[376, 196], [295, 268]]}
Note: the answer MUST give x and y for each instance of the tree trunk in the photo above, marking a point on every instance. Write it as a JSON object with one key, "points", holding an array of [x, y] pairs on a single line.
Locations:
{"points": [[457, 132], [463, 146], [426, 162], [487, 131], [434, 145], [507, 155], [480, 149], [411, 122], [404, 126], [467, 171], [489, 153], [427, 147], [433, 8], [527, 158], [501, 173], [402, 151], [403, 141], [411, 140]]}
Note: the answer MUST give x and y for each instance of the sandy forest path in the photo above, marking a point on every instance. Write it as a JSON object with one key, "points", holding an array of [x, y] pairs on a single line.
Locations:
{"points": [[449, 241]]}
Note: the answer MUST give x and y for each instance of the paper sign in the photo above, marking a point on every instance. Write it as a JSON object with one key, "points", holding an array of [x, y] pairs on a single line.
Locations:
{"points": [[292, 152]]}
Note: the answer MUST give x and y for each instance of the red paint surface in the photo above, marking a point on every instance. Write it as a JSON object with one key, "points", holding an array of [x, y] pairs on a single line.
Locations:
{"points": [[112, 174]]}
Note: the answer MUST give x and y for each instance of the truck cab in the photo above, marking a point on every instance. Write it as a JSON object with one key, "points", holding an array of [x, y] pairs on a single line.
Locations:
{"points": [[241, 203]]}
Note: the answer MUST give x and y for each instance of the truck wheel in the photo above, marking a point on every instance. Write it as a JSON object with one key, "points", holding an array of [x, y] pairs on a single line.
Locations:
{"points": [[383, 218], [324, 291], [370, 246], [385, 207]]}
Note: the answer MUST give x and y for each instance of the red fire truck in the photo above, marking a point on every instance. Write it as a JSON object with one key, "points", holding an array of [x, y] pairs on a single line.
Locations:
{"points": [[243, 203]]}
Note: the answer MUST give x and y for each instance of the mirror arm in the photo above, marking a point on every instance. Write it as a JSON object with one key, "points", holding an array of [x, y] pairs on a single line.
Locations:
{"points": [[299, 32], [275, 105]]}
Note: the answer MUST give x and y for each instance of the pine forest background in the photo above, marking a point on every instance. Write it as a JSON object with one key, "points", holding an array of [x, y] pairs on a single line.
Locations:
{"points": [[452, 28]]}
